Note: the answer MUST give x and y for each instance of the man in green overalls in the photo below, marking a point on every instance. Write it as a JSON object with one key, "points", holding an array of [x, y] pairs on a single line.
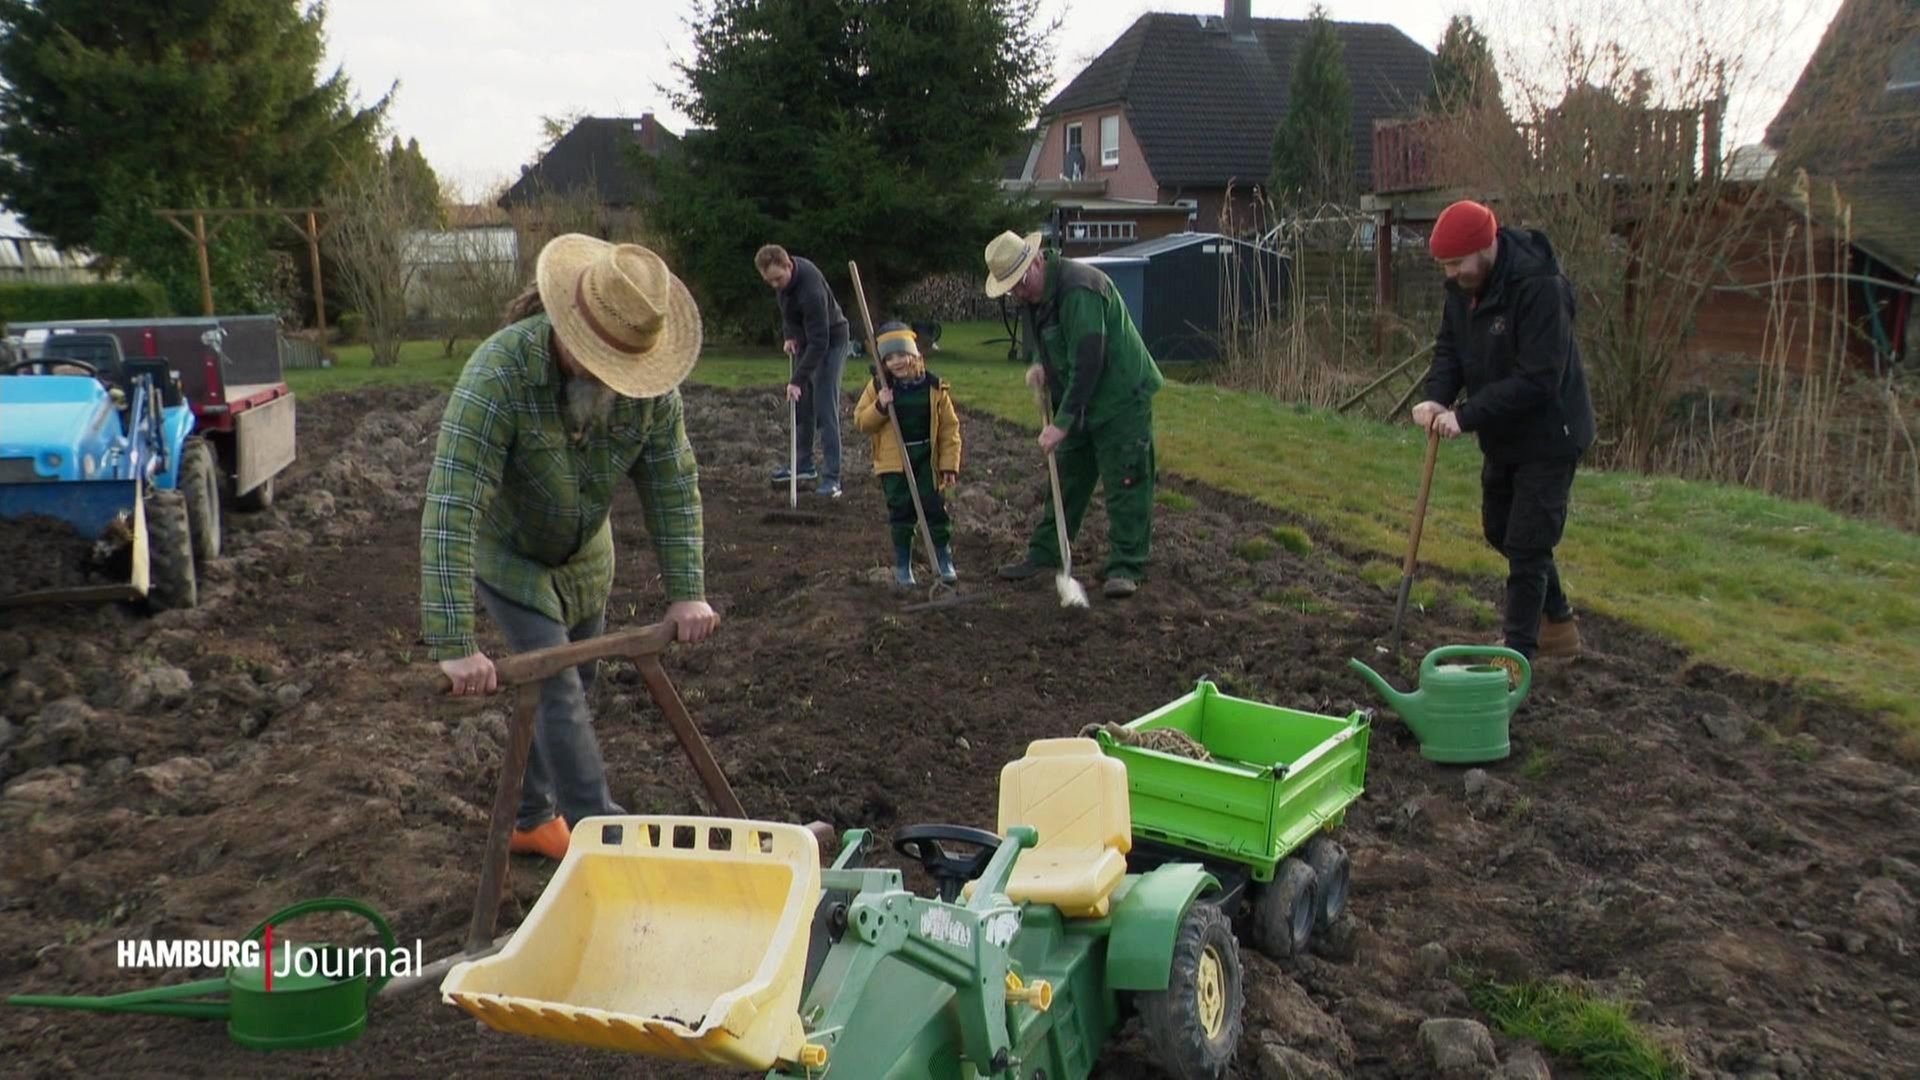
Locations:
{"points": [[1083, 346]]}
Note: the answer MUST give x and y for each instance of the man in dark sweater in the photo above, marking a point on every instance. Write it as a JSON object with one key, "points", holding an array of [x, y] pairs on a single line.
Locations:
{"points": [[816, 339], [1507, 339]]}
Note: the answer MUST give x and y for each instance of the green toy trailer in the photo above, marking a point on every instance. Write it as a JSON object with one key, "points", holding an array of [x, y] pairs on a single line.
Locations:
{"points": [[722, 941], [1250, 791]]}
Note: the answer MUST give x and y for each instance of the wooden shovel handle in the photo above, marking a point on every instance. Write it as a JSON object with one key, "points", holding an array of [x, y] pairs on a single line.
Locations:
{"points": [[1420, 504], [543, 664]]}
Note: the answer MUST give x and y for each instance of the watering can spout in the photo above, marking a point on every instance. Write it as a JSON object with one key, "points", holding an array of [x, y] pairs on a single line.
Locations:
{"points": [[1406, 705]]}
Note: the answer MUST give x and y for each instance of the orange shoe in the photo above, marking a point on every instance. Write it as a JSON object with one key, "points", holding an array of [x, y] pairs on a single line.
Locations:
{"points": [[549, 838]]}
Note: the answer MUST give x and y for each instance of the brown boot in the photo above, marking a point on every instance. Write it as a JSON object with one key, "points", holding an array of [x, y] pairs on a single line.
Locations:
{"points": [[549, 838], [1559, 638]]}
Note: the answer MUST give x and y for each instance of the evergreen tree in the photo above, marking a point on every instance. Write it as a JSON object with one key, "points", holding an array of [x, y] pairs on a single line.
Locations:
{"points": [[1313, 146], [110, 109], [846, 129], [1464, 75]]}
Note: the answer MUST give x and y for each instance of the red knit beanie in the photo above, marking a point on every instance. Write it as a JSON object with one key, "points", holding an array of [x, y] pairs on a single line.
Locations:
{"points": [[1462, 229]]}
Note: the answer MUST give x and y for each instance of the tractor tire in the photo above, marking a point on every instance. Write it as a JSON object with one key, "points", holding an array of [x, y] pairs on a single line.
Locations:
{"points": [[1284, 910], [260, 498], [1330, 866], [1193, 1026], [173, 583], [200, 483]]}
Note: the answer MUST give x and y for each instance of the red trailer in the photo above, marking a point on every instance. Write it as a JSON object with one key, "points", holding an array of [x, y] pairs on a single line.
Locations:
{"points": [[229, 367]]}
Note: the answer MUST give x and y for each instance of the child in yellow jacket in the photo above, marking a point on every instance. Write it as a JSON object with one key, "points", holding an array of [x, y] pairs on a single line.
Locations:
{"points": [[931, 430]]}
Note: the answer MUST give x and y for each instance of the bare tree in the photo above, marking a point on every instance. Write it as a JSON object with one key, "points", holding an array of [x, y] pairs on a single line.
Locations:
{"points": [[374, 241]]}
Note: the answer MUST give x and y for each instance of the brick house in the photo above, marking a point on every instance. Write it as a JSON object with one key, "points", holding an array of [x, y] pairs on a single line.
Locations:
{"points": [[1149, 138]]}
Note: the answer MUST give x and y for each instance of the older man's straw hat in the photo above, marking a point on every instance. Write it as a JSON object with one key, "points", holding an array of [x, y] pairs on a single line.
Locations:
{"points": [[620, 312], [1008, 257]]}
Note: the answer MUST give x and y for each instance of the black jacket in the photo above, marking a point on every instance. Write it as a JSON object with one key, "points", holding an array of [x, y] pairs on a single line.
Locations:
{"points": [[812, 317], [1514, 353]]}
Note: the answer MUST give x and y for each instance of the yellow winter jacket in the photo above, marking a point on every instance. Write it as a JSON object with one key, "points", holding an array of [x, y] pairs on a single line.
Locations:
{"points": [[945, 434]]}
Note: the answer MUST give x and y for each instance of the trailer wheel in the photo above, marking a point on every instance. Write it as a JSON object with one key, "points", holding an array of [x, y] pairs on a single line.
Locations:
{"points": [[1193, 1026], [258, 499], [170, 553], [200, 483], [1284, 910], [1330, 864]]}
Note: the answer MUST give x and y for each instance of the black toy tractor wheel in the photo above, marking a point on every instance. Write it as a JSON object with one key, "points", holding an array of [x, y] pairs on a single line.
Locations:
{"points": [[1193, 1026], [200, 484], [1330, 864], [172, 582], [1284, 910]]}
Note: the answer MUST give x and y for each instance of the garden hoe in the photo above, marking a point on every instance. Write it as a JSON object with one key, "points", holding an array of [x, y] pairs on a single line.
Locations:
{"points": [[941, 594], [1413, 540], [792, 515], [1071, 594]]}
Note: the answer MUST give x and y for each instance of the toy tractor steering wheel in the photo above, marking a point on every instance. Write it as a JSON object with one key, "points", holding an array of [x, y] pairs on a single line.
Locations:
{"points": [[949, 872], [45, 362]]}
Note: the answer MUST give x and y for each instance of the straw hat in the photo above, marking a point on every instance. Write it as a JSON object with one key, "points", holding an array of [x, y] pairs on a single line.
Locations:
{"points": [[620, 312], [1008, 257]]}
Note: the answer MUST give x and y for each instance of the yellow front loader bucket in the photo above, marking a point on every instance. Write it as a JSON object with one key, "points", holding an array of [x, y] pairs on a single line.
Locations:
{"points": [[677, 937]]}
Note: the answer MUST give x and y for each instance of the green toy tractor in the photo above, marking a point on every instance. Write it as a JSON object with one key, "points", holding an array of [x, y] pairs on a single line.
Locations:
{"points": [[723, 941]]}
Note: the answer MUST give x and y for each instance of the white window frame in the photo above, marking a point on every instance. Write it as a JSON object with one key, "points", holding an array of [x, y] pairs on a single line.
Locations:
{"points": [[1110, 154], [1075, 132], [1102, 232]]}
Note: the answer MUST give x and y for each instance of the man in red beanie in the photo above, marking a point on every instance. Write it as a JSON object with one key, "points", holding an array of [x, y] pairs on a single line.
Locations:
{"points": [[1506, 338]]}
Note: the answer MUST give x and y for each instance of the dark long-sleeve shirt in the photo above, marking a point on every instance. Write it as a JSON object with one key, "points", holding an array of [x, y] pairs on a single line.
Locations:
{"points": [[812, 317]]}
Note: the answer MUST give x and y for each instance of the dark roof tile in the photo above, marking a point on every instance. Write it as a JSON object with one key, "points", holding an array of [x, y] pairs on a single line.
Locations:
{"points": [[1204, 103]]}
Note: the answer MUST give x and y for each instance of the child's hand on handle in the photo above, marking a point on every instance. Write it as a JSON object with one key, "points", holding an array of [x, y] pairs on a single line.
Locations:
{"points": [[885, 397]]}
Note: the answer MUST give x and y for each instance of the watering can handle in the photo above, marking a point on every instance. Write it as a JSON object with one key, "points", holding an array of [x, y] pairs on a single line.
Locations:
{"points": [[335, 903], [1447, 651]]}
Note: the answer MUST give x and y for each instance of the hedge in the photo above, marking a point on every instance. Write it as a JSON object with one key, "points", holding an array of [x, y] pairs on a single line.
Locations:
{"points": [[38, 302]]}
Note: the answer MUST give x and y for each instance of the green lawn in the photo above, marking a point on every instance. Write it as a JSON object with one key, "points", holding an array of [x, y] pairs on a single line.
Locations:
{"points": [[1777, 589]]}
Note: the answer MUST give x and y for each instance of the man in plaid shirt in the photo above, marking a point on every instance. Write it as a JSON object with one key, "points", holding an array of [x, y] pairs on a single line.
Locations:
{"points": [[577, 391]]}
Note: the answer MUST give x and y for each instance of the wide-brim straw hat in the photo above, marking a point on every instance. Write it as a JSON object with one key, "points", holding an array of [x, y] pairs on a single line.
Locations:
{"points": [[1008, 256], [620, 312]]}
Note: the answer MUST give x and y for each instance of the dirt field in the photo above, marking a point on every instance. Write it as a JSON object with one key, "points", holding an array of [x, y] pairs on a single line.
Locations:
{"points": [[1735, 859]]}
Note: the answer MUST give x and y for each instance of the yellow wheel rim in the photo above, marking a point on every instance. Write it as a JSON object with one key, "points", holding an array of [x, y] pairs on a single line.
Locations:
{"points": [[1210, 993]]}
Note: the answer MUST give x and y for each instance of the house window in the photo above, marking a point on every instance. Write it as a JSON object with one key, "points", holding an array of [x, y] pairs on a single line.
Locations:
{"points": [[1100, 232], [1074, 164], [1905, 73], [1110, 140]]}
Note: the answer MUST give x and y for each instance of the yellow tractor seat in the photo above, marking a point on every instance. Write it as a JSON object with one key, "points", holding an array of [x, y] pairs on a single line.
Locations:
{"points": [[1076, 798]]}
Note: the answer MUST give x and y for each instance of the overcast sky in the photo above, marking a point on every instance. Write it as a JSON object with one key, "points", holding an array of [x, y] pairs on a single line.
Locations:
{"points": [[477, 75]]}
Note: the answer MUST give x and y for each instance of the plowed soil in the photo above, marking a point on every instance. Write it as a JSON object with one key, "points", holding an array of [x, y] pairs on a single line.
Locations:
{"points": [[1735, 859]]}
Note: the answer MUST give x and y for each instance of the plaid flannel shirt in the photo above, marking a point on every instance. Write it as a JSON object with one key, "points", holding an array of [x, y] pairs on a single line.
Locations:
{"points": [[516, 501]]}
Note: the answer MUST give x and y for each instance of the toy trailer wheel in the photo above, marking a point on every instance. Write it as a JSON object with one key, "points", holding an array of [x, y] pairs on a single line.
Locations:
{"points": [[260, 498], [1330, 863], [170, 553], [1284, 910], [200, 483], [1193, 1026]]}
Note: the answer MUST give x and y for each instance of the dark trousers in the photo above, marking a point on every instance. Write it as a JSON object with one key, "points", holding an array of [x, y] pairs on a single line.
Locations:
{"points": [[564, 772], [900, 517], [1523, 511], [1115, 454], [818, 412]]}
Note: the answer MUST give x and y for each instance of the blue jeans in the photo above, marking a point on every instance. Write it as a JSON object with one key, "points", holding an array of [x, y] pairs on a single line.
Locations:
{"points": [[564, 772], [819, 410]]}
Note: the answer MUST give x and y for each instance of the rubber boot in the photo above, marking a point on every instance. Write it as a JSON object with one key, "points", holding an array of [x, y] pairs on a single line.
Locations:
{"points": [[943, 558], [903, 566]]}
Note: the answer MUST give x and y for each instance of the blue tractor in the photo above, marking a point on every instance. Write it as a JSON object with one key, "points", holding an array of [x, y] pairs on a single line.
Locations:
{"points": [[100, 468]]}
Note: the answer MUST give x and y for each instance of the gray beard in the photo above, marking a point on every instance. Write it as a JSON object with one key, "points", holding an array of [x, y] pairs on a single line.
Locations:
{"points": [[588, 402]]}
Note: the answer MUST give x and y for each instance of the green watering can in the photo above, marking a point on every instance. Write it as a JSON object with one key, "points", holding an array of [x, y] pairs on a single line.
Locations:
{"points": [[1460, 712], [301, 1012]]}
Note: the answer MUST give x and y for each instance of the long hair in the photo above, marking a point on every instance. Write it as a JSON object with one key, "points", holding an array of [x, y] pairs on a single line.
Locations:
{"points": [[525, 305]]}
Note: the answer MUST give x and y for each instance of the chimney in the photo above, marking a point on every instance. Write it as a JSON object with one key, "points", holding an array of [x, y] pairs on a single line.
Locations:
{"points": [[1239, 16]]}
